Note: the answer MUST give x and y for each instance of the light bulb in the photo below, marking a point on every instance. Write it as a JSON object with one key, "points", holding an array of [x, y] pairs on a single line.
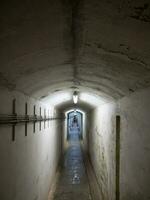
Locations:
{"points": [[75, 97]]}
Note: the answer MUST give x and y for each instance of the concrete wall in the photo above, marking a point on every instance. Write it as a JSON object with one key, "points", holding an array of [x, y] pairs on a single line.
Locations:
{"points": [[135, 146], [86, 123], [27, 165], [102, 148], [134, 111]]}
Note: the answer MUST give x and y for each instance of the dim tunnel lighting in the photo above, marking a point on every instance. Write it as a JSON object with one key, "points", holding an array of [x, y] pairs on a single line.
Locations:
{"points": [[75, 97]]}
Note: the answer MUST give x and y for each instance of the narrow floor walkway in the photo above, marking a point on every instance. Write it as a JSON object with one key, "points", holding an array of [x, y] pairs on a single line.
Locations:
{"points": [[73, 182]]}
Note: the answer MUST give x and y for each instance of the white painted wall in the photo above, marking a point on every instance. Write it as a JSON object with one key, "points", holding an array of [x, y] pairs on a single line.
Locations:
{"points": [[102, 148], [135, 146], [27, 165], [86, 124]]}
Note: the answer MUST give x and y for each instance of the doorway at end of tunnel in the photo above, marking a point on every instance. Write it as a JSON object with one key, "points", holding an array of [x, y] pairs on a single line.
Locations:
{"points": [[75, 121]]}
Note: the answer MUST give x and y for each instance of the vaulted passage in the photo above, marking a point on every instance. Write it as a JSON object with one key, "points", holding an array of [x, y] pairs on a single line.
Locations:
{"points": [[95, 145]]}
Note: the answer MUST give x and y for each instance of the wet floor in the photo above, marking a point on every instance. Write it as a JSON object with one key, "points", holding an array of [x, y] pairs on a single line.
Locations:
{"points": [[73, 182]]}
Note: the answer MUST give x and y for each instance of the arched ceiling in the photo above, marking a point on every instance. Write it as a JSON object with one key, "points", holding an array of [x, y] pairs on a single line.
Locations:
{"points": [[64, 100], [85, 107], [96, 46]]}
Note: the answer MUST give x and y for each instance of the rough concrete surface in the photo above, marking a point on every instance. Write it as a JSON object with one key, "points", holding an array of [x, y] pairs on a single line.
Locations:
{"points": [[134, 146], [102, 148], [27, 165], [62, 44], [92, 46]]}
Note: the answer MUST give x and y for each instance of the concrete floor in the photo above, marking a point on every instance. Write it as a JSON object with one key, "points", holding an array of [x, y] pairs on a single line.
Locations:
{"points": [[73, 182]]}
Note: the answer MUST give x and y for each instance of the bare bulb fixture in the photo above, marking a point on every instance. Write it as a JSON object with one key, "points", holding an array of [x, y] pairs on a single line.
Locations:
{"points": [[75, 97]]}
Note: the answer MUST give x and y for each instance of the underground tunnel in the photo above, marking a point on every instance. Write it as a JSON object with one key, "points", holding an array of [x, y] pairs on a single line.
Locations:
{"points": [[75, 100]]}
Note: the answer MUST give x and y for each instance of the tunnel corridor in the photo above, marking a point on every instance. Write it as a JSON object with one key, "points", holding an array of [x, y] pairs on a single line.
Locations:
{"points": [[75, 100], [73, 181]]}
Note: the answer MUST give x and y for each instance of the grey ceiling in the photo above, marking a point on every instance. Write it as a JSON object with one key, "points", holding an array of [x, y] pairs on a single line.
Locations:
{"points": [[95, 45]]}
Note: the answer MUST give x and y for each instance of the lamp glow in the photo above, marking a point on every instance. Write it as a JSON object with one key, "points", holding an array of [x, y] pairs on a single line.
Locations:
{"points": [[75, 97]]}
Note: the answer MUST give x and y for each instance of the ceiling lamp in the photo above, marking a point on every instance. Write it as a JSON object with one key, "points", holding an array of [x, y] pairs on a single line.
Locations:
{"points": [[75, 97]]}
